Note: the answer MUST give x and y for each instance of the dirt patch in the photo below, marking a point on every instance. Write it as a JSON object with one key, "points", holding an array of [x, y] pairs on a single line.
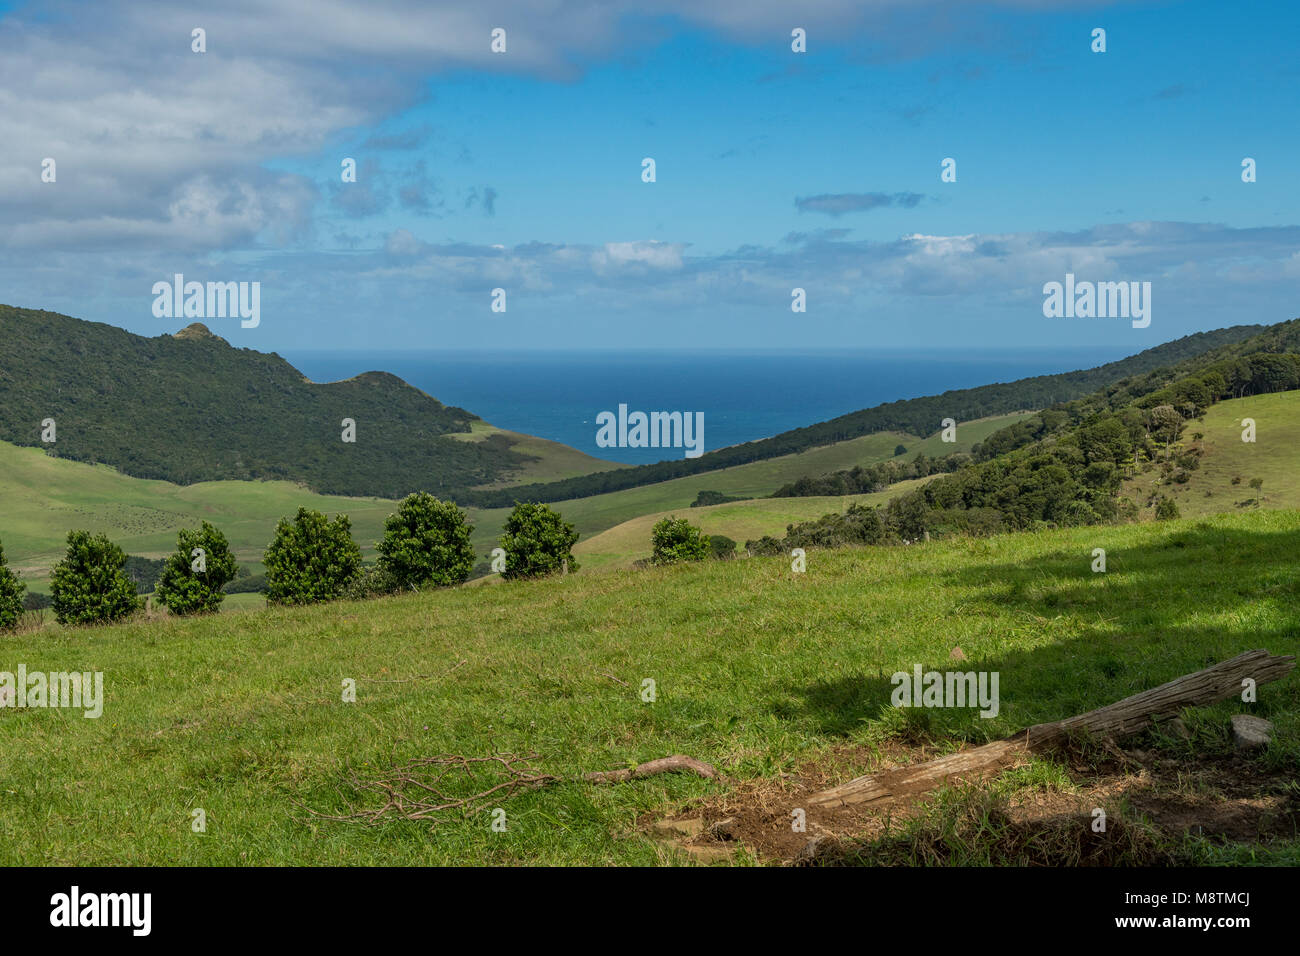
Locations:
{"points": [[1146, 796]]}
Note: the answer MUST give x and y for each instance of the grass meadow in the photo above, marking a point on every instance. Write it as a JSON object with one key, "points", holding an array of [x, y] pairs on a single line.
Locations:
{"points": [[758, 670]]}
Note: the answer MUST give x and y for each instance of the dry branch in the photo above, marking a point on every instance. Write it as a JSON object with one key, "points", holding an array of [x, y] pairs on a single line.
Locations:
{"points": [[1125, 717], [674, 764]]}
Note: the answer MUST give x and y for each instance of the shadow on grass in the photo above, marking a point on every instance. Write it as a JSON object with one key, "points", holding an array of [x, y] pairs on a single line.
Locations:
{"points": [[1180, 601]]}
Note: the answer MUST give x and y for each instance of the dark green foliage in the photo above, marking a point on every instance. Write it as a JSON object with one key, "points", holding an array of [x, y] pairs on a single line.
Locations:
{"points": [[537, 541], [90, 585], [1166, 509], [197, 571], [900, 450], [35, 601], [190, 407], [311, 559], [675, 539], [865, 479], [372, 581], [722, 547], [426, 544], [764, 547], [705, 498], [859, 525], [144, 572], [247, 584], [11, 595]]}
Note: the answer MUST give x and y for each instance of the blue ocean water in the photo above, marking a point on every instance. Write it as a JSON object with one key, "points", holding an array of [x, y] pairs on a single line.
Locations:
{"points": [[743, 395]]}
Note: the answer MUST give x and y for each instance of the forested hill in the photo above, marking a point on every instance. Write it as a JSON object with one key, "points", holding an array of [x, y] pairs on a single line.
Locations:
{"points": [[190, 407], [918, 416]]}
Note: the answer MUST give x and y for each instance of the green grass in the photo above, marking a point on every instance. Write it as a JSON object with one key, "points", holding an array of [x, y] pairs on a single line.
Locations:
{"points": [[757, 669], [1272, 457], [552, 461], [625, 543], [42, 498]]}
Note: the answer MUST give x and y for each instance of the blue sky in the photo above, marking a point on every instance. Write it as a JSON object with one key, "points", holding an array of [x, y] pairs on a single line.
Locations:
{"points": [[775, 169]]}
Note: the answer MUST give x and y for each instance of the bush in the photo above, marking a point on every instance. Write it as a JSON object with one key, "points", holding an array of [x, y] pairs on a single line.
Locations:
{"points": [[35, 601], [90, 585], [675, 539], [144, 572], [900, 450], [426, 542], [193, 577], [705, 498], [247, 583], [372, 581], [765, 546], [722, 547], [537, 541], [1166, 509], [11, 595], [311, 559]]}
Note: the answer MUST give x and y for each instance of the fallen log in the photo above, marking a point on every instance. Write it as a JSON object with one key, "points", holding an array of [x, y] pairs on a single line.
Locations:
{"points": [[1121, 719], [674, 764]]}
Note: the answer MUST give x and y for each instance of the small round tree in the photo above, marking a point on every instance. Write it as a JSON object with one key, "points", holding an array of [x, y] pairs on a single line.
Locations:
{"points": [[311, 559], [90, 585], [675, 539], [722, 547], [11, 595], [537, 541], [194, 576], [1166, 509], [426, 543]]}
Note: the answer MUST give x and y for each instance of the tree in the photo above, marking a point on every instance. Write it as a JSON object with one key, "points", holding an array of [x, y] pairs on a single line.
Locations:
{"points": [[722, 547], [1166, 509], [900, 450], [310, 559], [426, 542], [537, 541], [90, 584], [11, 595], [675, 539], [195, 575]]}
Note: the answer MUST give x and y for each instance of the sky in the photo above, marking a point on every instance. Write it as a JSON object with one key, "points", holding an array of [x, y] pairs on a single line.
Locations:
{"points": [[775, 170]]}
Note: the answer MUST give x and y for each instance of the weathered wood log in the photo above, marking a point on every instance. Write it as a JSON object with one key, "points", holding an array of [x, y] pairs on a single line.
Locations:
{"points": [[674, 764], [1121, 719]]}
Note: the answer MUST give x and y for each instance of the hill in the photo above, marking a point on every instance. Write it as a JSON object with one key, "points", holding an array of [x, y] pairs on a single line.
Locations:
{"points": [[922, 416], [1227, 465], [758, 671], [189, 407]]}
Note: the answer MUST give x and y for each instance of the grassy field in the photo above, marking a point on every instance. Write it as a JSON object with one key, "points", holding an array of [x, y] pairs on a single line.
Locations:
{"points": [[553, 461], [1273, 456], [623, 544], [42, 498], [758, 670]]}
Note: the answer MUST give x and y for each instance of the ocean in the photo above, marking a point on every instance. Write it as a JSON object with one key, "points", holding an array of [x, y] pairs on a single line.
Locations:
{"points": [[742, 395]]}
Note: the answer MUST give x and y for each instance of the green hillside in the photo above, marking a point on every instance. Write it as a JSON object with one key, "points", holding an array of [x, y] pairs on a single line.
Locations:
{"points": [[758, 671], [189, 407], [1274, 457]]}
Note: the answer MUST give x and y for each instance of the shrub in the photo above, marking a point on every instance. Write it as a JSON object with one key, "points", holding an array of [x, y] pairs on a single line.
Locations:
{"points": [[765, 546], [11, 595], [426, 542], [675, 539], [1166, 509], [705, 498], [35, 601], [144, 572], [195, 574], [247, 584], [1257, 483], [537, 541], [372, 581], [900, 450], [311, 559], [90, 585], [722, 547]]}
